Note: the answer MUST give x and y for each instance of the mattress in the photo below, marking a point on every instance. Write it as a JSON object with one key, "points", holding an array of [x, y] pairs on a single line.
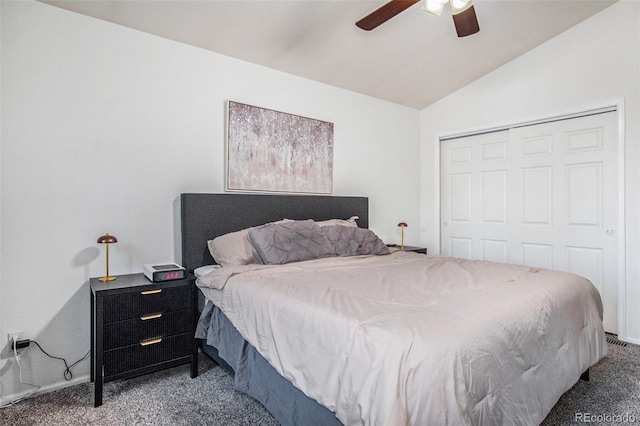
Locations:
{"points": [[412, 339]]}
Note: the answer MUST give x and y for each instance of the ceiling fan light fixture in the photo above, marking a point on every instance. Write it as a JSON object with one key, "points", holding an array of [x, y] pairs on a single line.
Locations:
{"points": [[434, 6], [463, 14], [459, 6]]}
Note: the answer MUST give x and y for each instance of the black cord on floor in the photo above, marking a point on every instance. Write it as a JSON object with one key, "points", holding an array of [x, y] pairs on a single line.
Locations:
{"points": [[68, 375]]}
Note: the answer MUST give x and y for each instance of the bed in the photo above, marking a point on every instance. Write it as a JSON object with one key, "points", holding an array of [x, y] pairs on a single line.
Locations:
{"points": [[384, 339]]}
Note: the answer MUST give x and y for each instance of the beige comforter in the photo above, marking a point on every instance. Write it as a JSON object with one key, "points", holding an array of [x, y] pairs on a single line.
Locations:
{"points": [[414, 339]]}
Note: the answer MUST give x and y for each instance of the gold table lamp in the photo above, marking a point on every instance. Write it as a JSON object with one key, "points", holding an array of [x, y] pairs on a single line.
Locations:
{"points": [[107, 239], [402, 225]]}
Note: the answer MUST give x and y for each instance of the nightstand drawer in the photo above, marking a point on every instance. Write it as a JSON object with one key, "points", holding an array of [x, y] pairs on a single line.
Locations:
{"points": [[146, 302], [146, 354], [129, 332]]}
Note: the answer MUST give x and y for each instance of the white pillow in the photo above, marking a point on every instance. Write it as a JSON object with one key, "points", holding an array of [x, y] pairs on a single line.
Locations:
{"points": [[234, 248]]}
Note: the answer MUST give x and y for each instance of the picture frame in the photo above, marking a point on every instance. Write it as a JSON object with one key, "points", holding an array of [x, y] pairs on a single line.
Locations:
{"points": [[274, 151]]}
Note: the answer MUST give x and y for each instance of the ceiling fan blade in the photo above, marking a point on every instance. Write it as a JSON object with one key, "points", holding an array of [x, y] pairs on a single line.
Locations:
{"points": [[466, 22], [384, 13]]}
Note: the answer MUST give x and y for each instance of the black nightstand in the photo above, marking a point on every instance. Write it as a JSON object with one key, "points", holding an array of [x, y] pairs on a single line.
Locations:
{"points": [[410, 248], [415, 249], [138, 326]]}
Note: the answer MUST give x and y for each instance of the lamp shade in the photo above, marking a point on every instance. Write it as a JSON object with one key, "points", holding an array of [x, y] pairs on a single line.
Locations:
{"points": [[107, 239], [459, 6], [434, 6], [402, 225]]}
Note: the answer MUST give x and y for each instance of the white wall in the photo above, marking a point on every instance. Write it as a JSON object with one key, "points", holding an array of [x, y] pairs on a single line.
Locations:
{"points": [[103, 127], [596, 62]]}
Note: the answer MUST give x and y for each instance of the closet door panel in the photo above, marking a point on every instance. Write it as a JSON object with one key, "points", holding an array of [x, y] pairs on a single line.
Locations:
{"points": [[543, 195]]}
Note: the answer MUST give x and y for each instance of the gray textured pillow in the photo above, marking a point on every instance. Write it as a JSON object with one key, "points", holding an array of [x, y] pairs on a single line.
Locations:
{"points": [[350, 241], [290, 242]]}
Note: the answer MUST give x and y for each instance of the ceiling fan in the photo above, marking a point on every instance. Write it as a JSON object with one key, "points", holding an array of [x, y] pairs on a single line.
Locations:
{"points": [[463, 12]]}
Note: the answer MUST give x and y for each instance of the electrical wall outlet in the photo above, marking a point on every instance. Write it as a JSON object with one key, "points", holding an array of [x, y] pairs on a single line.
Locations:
{"points": [[16, 334]]}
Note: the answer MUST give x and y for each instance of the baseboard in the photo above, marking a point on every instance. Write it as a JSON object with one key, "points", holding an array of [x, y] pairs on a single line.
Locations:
{"points": [[634, 341], [5, 400], [625, 340]]}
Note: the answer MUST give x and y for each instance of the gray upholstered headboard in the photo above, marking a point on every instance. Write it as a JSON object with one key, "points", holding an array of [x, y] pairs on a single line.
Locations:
{"points": [[206, 216]]}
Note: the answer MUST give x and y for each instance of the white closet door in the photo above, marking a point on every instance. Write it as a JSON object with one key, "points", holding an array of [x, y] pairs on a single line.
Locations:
{"points": [[552, 202], [474, 197]]}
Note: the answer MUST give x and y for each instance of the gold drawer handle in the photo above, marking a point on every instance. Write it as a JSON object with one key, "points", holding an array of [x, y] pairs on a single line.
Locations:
{"points": [[150, 342], [148, 317], [151, 292]]}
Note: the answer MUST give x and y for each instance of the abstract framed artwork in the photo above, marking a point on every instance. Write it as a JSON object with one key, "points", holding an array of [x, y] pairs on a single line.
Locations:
{"points": [[273, 151]]}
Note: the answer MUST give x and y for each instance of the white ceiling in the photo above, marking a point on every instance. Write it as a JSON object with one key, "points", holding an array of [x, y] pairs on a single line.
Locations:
{"points": [[414, 59]]}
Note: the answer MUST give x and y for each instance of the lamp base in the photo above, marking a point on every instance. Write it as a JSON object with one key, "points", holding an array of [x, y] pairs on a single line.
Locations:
{"points": [[107, 278]]}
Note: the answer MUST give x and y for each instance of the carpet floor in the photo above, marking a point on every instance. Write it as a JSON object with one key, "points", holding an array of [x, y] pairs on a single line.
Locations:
{"points": [[170, 397], [613, 390]]}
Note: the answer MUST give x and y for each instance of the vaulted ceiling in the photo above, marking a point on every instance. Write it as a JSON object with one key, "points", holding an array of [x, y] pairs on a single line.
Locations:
{"points": [[413, 59]]}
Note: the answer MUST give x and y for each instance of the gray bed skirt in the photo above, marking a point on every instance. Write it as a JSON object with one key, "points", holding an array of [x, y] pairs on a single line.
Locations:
{"points": [[254, 376]]}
